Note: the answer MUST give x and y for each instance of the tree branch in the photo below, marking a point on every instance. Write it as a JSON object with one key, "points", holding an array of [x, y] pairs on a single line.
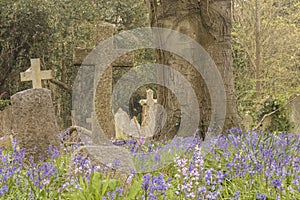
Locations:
{"points": [[61, 84], [271, 113]]}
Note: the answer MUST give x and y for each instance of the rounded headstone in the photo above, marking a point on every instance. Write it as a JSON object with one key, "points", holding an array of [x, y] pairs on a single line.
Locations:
{"points": [[34, 122]]}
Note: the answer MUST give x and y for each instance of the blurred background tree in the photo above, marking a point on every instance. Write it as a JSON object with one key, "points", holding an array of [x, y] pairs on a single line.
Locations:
{"points": [[50, 30], [266, 43]]}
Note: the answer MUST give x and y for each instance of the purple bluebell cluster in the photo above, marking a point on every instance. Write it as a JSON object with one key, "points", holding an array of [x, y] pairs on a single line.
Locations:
{"points": [[240, 165], [260, 160], [113, 195], [236, 165], [154, 187], [31, 177], [194, 181]]}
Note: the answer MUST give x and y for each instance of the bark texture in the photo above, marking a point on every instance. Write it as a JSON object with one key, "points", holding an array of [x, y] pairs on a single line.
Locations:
{"points": [[209, 23]]}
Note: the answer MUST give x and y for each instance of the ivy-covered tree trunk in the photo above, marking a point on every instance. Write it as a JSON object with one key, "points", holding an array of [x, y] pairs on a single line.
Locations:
{"points": [[209, 23]]}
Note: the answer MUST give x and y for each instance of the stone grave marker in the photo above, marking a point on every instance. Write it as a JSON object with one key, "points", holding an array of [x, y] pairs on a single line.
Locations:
{"points": [[6, 133], [34, 121], [125, 126], [135, 127], [153, 115], [116, 160], [104, 87], [32, 113], [122, 124], [35, 74], [146, 105], [102, 152]]}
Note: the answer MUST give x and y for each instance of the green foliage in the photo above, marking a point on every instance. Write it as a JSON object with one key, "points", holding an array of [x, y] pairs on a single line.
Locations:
{"points": [[3, 104], [135, 190], [233, 166], [50, 30], [24, 34], [279, 39], [279, 119], [97, 186]]}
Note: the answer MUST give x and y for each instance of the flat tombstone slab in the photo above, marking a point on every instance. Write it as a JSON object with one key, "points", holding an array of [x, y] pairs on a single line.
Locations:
{"points": [[135, 128], [122, 124], [34, 122]]}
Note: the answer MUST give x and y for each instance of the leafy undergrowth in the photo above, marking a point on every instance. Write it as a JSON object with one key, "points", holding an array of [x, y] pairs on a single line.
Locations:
{"points": [[233, 166]]}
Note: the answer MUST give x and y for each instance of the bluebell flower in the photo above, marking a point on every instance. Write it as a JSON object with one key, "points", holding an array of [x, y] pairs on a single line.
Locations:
{"points": [[3, 190], [220, 176], [202, 190], [157, 157], [277, 183], [146, 182], [261, 196], [119, 191], [236, 195], [208, 176]]}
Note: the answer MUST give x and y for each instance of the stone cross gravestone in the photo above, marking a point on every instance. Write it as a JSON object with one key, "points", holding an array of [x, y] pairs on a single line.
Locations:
{"points": [[35, 74], [102, 152], [146, 105], [34, 122], [104, 87], [153, 116], [156, 117]]}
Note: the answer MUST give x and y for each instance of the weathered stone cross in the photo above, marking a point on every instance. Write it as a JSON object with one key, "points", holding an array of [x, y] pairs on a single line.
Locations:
{"points": [[104, 87], [35, 74], [146, 105]]}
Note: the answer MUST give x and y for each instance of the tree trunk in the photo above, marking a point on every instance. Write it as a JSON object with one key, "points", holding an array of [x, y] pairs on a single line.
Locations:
{"points": [[257, 48], [209, 23]]}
